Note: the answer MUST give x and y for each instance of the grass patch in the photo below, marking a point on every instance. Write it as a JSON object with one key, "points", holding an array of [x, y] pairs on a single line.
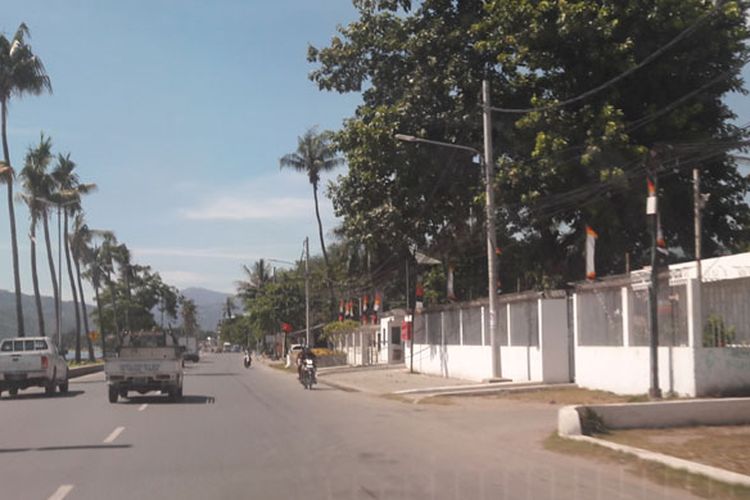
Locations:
{"points": [[726, 447], [662, 475], [568, 396]]}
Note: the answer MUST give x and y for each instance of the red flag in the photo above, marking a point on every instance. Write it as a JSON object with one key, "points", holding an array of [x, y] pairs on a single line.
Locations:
{"points": [[286, 327]]}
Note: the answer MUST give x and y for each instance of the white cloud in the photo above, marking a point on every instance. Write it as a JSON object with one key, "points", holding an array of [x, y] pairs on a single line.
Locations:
{"points": [[241, 208], [197, 253]]}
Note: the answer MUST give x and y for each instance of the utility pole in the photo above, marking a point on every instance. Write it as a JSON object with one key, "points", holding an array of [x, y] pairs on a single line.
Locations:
{"points": [[491, 244], [307, 291], [652, 211], [409, 312], [697, 206]]}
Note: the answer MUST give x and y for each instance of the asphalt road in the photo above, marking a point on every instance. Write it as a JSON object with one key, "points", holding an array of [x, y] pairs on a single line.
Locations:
{"points": [[258, 434]]}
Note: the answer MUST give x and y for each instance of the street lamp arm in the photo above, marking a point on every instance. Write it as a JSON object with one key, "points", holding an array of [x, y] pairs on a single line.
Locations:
{"points": [[411, 138]]}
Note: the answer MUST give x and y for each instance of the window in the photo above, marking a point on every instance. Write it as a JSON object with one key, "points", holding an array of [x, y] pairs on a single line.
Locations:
{"points": [[40, 345], [395, 335], [28, 345], [7, 346], [18, 345]]}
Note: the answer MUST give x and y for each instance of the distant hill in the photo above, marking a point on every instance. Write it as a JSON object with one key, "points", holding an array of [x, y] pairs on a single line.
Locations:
{"points": [[9, 326], [210, 305]]}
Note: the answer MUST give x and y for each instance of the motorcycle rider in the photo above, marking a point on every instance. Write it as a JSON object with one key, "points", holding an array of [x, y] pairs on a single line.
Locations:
{"points": [[305, 354]]}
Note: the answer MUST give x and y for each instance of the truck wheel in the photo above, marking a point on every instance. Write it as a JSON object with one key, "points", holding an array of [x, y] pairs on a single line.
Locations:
{"points": [[63, 387], [13, 392], [49, 389], [112, 394], [123, 393], [179, 392]]}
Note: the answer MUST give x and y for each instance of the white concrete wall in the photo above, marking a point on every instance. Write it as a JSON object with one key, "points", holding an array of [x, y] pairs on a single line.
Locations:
{"points": [[466, 362], [553, 337], [722, 369], [521, 363], [626, 370]]}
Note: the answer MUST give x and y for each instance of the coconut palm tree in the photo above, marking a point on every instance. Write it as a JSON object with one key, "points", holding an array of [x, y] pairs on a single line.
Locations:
{"points": [[315, 155], [95, 272], [106, 263], [69, 191], [21, 72], [257, 277], [80, 241], [124, 262], [37, 186]]}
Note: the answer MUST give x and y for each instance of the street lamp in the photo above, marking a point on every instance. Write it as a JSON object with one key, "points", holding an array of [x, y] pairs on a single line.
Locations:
{"points": [[491, 246]]}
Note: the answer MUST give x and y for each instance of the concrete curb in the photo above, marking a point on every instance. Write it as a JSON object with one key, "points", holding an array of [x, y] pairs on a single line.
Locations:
{"points": [[331, 370], [498, 390], [479, 388], [569, 427], [80, 371]]}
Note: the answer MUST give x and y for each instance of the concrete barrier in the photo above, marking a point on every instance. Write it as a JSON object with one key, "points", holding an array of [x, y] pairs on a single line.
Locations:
{"points": [[687, 413], [80, 371]]}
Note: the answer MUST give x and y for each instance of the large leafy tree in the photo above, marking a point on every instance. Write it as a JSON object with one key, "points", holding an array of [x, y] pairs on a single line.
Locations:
{"points": [[314, 156], [419, 69], [650, 77], [21, 72], [419, 74]]}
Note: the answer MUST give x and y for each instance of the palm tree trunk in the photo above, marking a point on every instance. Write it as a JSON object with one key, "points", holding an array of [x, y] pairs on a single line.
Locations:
{"points": [[101, 319], [83, 308], [35, 278], [114, 307], [73, 290], [332, 298], [51, 262], [12, 217], [127, 297]]}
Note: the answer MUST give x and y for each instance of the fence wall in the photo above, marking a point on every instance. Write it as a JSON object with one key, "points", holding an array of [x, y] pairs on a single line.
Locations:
{"points": [[532, 339]]}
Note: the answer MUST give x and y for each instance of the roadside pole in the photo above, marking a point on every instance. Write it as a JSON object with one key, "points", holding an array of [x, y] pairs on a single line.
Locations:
{"points": [[652, 211], [307, 291], [409, 312], [491, 244]]}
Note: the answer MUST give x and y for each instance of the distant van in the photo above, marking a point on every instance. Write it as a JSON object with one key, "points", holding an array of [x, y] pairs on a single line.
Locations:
{"points": [[227, 347]]}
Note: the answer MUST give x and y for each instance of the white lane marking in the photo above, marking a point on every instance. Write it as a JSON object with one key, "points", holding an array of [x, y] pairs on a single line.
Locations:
{"points": [[143, 407], [114, 434], [61, 492]]}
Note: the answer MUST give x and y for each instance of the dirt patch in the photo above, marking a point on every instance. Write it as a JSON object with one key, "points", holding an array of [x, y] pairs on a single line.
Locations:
{"points": [[567, 396], [726, 447], [696, 484]]}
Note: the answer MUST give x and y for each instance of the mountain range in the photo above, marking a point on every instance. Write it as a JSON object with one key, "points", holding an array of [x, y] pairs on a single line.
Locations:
{"points": [[209, 304]]}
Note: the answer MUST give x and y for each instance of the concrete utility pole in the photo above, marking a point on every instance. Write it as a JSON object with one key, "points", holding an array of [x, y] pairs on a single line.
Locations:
{"points": [[697, 206], [307, 291], [652, 211], [409, 312], [491, 243]]}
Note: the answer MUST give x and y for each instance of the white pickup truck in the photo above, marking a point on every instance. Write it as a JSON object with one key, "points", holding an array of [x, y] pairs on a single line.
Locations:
{"points": [[145, 362], [32, 362]]}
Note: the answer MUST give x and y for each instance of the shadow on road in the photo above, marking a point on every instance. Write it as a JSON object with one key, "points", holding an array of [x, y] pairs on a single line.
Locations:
{"points": [[68, 448], [164, 400], [40, 395], [215, 374]]}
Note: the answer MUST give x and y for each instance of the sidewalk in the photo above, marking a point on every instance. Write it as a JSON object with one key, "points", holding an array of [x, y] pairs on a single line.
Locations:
{"points": [[386, 380]]}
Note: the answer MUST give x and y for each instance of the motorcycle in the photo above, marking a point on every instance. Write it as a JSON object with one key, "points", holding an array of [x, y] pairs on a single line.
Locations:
{"points": [[248, 360], [308, 374]]}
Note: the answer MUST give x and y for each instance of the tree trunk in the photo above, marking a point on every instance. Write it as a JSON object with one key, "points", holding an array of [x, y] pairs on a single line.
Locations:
{"points": [[35, 278], [331, 296], [101, 321], [73, 290], [127, 297], [114, 307], [53, 274], [83, 308], [12, 217]]}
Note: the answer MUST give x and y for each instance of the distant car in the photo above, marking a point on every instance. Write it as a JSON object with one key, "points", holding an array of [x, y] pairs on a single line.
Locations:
{"points": [[236, 348]]}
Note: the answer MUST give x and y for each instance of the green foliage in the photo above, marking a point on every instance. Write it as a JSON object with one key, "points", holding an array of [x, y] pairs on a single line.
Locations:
{"points": [[560, 167], [716, 333], [340, 327]]}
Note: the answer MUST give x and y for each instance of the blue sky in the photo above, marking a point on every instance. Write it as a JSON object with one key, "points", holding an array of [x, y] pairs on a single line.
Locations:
{"points": [[179, 111]]}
